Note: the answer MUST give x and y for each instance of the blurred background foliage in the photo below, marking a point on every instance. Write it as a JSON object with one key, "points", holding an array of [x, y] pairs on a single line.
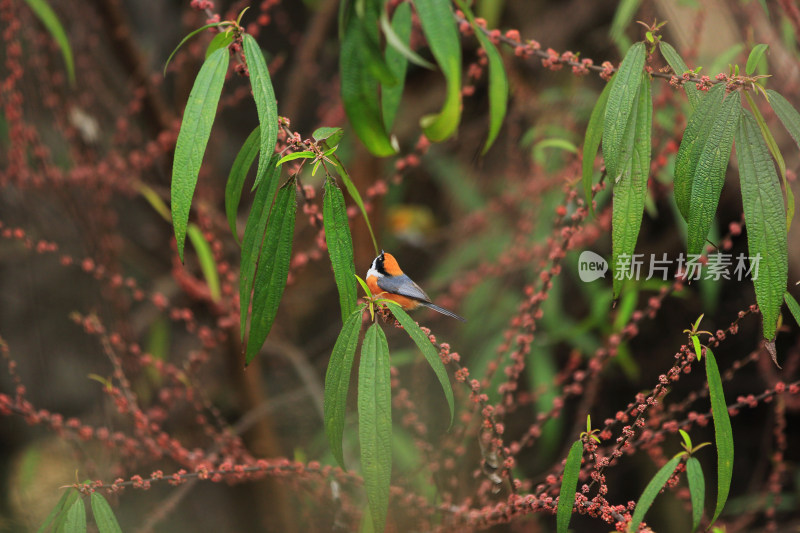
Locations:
{"points": [[455, 219]]}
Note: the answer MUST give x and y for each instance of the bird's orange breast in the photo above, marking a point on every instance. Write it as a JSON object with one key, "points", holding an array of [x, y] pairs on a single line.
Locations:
{"points": [[406, 303]]}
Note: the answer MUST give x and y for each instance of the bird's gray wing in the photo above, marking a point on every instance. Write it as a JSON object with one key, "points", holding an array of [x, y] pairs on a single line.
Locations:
{"points": [[404, 286]]}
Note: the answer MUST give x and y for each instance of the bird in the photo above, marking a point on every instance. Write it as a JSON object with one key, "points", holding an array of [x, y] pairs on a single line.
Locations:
{"points": [[385, 277]]}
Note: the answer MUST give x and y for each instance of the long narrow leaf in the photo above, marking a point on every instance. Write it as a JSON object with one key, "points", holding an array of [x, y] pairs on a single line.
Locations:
{"points": [[620, 106], [356, 196], [305, 154], [398, 40], [428, 350], [220, 40], [189, 36], [709, 174], [337, 383], [235, 184], [569, 483], [61, 517], [651, 491], [755, 58], [273, 268], [793, 306], [695, 136], [765, 217], [787, 114], [360, 92], [253, 236], [266, 103], [75, 521], [368, 19], [594, 133], [631, 190], [50, 21], [498, 81], [375, 423], [439, 27], [64, 503], [103, 515], [775, 150], [697, 489], [679, 67], [498, 89], [723, 434], [397, 34], [340, 246], [198, 117], [206, 259]]}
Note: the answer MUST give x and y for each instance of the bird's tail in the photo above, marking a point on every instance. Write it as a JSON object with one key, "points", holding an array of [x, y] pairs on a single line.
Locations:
{"points": [[443, 311]]}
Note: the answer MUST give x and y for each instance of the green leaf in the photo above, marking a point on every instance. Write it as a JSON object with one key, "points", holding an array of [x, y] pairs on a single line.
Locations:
{"points": [[198, 117], [273, 268], [50, 21], [330, 134], [340, 246], [709, 174], [103, 515], [617, 145], [428, 350], [697, 489], [790, 119], [723, 434], [253, 237], [306, 154], [367, 19], [560, 144], [623, 16], [398, 40], [206, 258], [356, 196], [364, 285], [360, 91], [266, 104], [75, 521], [794, 308], [439, 27], [375, 423], [399, 33], [787, 114], [235, 184], [631, 189], [698, 350], [694, 140], [220, 40], [337, 383], [58, 514], [776, 154], [765, 218], [591, 142], [192, 34], [498, 90], [498, 81], [569, 483], [755, 57], [679, 67], [651, 491]]}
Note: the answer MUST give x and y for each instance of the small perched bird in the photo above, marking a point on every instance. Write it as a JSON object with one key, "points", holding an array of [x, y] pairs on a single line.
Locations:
{"points": [[385, 277]]}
